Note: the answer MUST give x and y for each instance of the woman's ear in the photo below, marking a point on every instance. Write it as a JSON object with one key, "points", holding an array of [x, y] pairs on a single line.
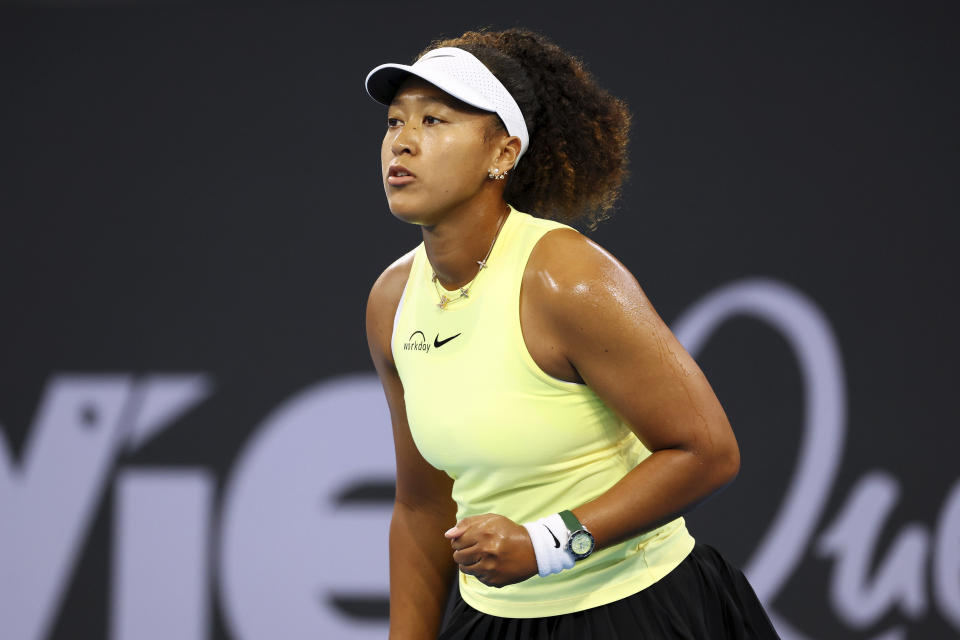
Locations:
{"points": [[509, 152]]}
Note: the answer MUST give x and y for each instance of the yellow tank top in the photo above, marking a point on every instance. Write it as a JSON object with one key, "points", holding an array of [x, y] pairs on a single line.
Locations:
{"points": [[515, 440]]}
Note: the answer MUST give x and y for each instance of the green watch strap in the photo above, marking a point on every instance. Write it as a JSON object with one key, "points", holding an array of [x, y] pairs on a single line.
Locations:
{"points": [[570, 521]]}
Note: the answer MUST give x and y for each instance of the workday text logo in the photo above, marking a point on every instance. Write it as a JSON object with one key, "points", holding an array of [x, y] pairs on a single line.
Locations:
{"points": [[417, 342]]}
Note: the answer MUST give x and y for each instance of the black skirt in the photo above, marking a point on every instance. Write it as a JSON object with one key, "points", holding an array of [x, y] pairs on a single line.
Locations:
{"points": [[703, 598]]}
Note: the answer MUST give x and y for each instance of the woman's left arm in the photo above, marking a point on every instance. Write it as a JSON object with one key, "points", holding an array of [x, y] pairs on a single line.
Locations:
{"points": [[603, 327], [609, 332]]}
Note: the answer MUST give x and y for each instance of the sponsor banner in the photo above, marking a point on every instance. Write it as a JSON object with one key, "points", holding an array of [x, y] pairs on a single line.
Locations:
{"points": [[296, 545]]}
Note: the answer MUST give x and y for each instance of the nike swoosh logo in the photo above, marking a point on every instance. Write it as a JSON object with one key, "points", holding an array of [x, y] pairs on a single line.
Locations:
{"points": [[556, 543], [440, 343]]}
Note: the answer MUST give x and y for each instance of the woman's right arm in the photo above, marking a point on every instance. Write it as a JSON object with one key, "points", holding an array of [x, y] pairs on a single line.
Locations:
{"points": [[421, 563]]}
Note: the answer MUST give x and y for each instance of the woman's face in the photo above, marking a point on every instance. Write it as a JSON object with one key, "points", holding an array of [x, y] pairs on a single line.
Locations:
{"points": [[436, 152]]}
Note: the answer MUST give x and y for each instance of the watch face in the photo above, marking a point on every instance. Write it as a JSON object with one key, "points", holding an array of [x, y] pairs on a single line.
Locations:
{"points": [[581, 543]]}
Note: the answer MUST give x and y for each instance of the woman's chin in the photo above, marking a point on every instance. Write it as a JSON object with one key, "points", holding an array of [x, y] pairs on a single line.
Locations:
{"points": [[406, 213]]}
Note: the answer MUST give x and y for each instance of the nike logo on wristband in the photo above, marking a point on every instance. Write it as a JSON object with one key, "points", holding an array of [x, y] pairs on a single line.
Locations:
{"points": [[556, 543]]}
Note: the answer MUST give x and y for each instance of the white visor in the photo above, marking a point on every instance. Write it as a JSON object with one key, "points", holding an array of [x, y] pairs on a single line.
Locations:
{"points": [[460, 74]]}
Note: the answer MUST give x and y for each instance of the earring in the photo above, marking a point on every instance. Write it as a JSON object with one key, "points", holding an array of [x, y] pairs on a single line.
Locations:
{"points": [[494, 174]]}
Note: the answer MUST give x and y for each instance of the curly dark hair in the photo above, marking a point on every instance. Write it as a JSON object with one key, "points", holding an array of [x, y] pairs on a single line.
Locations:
{"points": [[577, 158]]}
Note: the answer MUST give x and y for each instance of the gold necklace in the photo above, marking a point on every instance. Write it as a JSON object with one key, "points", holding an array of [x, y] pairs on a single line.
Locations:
{"points": [[464, 292]]}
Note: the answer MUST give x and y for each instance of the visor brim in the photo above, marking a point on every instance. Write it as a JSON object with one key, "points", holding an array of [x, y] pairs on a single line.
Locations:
{"points": [[384, 81]]}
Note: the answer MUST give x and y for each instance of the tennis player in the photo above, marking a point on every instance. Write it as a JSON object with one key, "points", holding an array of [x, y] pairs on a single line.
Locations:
{"points": [[550, 431]]}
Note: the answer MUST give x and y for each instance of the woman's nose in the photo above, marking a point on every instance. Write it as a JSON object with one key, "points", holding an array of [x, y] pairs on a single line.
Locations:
{"points": [[405, 140]]}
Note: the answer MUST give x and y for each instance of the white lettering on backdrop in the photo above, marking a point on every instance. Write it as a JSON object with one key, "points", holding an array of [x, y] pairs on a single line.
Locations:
{"points": [[287, 548], [900, 581], [46, 505], [291, 549]]}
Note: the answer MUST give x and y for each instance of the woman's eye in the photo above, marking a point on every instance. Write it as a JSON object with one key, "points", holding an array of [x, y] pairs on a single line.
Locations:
{"points": [[431, 120], [393, 122]]}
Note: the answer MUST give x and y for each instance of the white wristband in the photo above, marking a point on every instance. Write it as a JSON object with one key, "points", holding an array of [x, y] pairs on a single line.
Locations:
{"points": [[549, 536]]}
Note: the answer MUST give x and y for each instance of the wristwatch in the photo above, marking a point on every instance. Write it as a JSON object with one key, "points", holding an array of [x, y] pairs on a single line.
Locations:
{"points": [[581, 542]]}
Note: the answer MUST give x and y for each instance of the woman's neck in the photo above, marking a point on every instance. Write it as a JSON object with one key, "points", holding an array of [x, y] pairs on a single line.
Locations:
{"points": [[464, 237]]}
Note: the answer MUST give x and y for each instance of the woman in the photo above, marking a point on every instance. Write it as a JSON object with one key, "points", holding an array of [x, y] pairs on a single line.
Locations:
{"points": [[549, 429]]}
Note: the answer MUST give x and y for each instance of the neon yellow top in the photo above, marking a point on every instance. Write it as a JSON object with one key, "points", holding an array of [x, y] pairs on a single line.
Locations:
{"points": [[515, 440]]}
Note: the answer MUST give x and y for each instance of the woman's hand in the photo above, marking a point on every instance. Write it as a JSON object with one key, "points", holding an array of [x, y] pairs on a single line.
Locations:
{"points": [[495, 550]]}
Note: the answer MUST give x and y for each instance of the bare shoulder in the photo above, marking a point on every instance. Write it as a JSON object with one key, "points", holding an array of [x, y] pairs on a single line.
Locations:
{"points": [[382, 304], [574, 279], [388, 288]]}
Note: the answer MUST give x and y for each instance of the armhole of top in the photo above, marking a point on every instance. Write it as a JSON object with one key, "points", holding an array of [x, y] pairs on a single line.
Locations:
{"points": [[403, 295], [532, 365], [396, 316]]}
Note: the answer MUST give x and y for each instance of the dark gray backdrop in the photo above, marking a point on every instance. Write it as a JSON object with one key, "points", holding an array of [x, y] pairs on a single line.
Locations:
{"points": [[194, 188]]}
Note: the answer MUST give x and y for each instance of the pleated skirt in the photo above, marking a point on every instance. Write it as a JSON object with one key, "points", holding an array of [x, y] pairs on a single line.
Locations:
{"points": [[703, 598]]}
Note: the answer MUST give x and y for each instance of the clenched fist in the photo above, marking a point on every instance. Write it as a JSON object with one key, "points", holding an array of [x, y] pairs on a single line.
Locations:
{"points": [[495, 550]]}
